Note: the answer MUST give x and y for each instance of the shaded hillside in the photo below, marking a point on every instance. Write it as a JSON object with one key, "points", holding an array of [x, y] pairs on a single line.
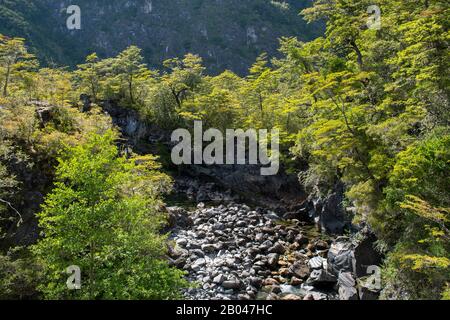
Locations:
{"points": [[227, 34]]}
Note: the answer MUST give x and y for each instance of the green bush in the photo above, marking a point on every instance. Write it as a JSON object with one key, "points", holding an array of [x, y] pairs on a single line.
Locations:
{"points": [[103, 216]]}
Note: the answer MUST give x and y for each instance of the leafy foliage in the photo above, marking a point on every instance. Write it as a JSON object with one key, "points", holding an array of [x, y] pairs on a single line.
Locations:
{"points": [[19, 275], [366, 108], [103, 216]]}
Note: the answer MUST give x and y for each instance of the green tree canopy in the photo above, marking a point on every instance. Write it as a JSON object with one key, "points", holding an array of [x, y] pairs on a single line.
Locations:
{"points": [[103, 216]]}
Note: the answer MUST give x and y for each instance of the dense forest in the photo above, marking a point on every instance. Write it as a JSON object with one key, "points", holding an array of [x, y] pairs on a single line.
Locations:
{"points": [[362, 107]]}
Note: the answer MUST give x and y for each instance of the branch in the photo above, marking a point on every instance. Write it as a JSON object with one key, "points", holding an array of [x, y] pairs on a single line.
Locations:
{"points": [[353, 133], [14, 209]]}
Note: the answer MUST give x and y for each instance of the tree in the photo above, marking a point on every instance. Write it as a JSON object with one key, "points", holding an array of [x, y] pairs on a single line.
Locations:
{"points": [[14, 58], [261, 86], [377, 120], [168, 92], [421, 66], [19, 275], [7, 184], [130, 70], [90, 75], [414, 217], [185, 75], [344, 23], [103, 216]]}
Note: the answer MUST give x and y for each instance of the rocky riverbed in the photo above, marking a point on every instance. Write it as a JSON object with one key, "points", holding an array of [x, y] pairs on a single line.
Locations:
{"points": [[234, 252]]}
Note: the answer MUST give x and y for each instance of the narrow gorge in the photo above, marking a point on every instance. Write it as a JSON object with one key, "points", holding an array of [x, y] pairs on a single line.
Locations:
{"points": [[241, 236]]}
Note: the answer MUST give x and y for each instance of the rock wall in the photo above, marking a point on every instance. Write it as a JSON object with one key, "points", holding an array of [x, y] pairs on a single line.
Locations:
{"points": [[241, 181]]}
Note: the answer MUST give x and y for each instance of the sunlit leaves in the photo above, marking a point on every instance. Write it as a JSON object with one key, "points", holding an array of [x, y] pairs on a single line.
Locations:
{"points": [[103, 216]]}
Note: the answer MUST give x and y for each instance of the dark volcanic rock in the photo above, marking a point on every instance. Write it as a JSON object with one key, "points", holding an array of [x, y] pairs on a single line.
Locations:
{"points": [[347, 287], [277, 248], [300, 269], [232, 284], [178, 218], [365, 255], [340, 257], [321, 279]]}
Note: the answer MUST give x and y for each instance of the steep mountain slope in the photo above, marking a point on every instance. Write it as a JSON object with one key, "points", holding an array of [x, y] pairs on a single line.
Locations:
{"points": [[227, 34]]}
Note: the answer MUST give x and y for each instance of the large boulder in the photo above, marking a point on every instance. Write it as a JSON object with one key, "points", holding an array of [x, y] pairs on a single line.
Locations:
{"points": [[341, 256], [369, 288], [316, 263], [331, 218], [347, 286], [321, 279], [328, 212]]}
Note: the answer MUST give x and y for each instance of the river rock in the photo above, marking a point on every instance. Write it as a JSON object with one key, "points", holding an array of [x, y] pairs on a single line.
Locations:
{"points": [[301, 240], [315, 296], [181, 242], [232, 284], [341, 257], [316, 263], [270, 282], [196, 266], [321, 245], [291, 297], [256, 282], [219, 279], [321, 278], [300, 269], [272, 260], [296, 281], [272, 216], [277, 248], [234, 253], [208, 248]]}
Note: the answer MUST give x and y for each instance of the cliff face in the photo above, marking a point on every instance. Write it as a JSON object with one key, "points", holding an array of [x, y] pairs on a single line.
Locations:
{"points": [[228, 34]]}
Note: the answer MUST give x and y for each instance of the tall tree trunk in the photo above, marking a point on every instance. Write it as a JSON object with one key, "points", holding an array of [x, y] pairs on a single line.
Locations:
{"points": [[94, 90], [130, 88], [5, 87], [358, 53], [177, 98], [177, 95]]}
